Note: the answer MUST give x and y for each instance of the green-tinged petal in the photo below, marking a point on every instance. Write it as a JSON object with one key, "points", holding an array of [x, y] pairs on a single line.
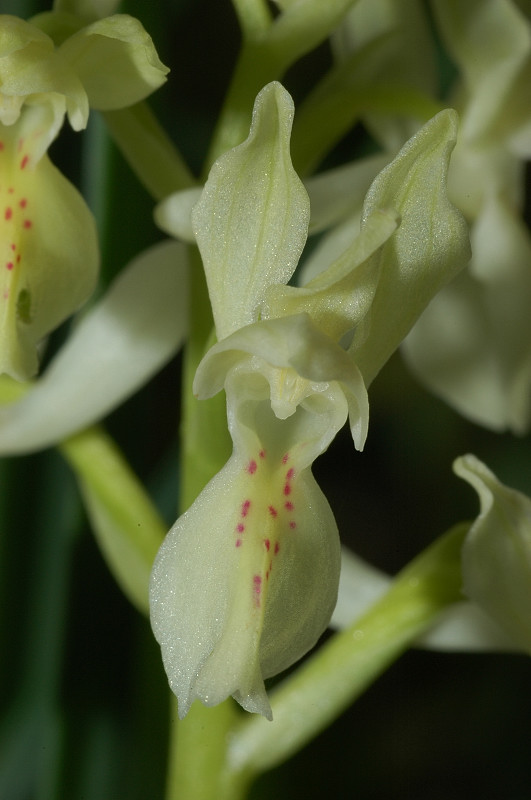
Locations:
{"points": [[497, 552], [173, 215], [472, 345], [252, 219], [338, 298], [298, 360], [49, 250], [429, 248], [116, 62], [31, 70], [124, 340], [246, 580], [491, 43]]}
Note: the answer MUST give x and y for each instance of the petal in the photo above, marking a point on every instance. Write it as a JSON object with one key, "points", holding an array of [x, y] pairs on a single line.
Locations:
{"points": [[449, 351], [116, 62], [173, 215], [472, 346], [252, 219], [360, 585], [31, 68], [262, 538], [497, 552], [339, 297], [429, 248], [49, 248], [124, 340], [299, 360]]}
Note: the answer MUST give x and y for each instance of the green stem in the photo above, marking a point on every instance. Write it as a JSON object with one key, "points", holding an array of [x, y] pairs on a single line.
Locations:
{"points": [[198, 743], [341, 670], [205, 440], [198, 753], [254, 17], [148, 150], [265, 57]]}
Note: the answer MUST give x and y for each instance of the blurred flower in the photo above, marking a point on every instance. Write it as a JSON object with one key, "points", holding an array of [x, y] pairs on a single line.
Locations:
{"points": [[472, 345], [48, 242], [497, 552]]}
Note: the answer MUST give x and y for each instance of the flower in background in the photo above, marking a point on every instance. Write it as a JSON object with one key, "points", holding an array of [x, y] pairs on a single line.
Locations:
{"points": [[497, 552], [48, 242], [472, 345]]}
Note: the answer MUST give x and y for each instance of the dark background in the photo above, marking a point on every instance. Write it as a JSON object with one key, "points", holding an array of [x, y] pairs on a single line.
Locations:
{"points": [[83, 698]]}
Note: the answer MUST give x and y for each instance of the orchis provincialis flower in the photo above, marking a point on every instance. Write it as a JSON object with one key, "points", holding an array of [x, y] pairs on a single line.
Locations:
{"points": [[48, 241], [261, 535]]}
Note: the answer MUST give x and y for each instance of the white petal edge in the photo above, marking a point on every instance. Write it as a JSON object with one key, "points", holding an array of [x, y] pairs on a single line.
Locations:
{"points": [[118, 346]]}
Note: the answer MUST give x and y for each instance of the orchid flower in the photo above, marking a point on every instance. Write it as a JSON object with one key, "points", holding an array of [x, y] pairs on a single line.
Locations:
{"points": [[49, 252], [294, 364], [497, 552], [471, 346]]}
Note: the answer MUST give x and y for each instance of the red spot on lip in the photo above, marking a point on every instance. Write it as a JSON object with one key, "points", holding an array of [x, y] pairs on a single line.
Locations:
{"points": [[23, 203], [277, 547], [9, 265], [252, 467], [240, 527], [290, 473], [238, 542], [292, 525], [267, 544], [245, 507], [24, 162], [27, 223], [8, 213], [262, 454], [285, 458], [257, 588], [272, 510], [287, 489], [288, 506]]}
